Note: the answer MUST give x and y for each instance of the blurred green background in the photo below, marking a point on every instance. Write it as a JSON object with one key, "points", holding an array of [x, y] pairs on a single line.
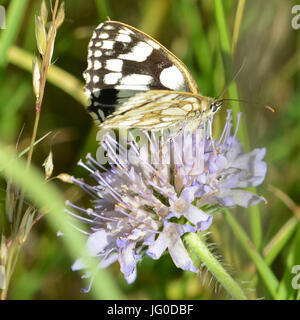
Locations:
{"points": [[268, 50]]}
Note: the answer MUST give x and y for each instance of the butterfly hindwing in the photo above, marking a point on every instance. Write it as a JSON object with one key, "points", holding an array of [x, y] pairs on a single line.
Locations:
{"points": [[157, 109]]}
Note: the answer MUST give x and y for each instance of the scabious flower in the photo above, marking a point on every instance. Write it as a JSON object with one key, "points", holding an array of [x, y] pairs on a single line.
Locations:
{"points": [[163, 189]]}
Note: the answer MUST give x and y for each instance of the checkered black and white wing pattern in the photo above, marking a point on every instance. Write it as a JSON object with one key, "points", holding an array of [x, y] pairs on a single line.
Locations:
{"points": [[123, 61]]}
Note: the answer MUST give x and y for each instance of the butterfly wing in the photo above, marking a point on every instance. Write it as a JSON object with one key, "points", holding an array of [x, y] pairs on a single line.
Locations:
{"points": [[159, 109], [123, 61]]}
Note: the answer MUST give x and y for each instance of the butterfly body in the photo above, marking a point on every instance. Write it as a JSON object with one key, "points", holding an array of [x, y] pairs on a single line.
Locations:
{"points": [[135, 82]]}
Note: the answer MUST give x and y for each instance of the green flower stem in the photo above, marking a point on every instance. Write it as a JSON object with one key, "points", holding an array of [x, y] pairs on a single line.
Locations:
{"points": [[266, 273], [197, 247]]}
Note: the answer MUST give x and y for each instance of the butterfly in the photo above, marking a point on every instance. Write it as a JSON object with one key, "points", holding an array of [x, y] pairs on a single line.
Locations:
{"points": [[133, 81]]}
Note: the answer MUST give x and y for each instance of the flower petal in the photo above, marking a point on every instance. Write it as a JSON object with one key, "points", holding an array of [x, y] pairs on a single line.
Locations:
{"points": [[241, 198], [107, 261], [78, 265], [157, 249], [97, 242], [128, 262], [177, 250], [198, 217]]}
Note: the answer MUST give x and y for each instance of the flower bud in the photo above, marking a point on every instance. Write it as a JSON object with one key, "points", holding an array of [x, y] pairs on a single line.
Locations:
{"points": [[60, 16], [36, 76], [65, 177], [44, 12], [48, 164], [41, 35]]}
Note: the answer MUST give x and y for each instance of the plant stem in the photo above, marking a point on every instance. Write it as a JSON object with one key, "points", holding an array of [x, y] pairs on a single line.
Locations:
{"points": [[198, 247], [45, 65], [11, 262], [14, 253], [29, 158]]}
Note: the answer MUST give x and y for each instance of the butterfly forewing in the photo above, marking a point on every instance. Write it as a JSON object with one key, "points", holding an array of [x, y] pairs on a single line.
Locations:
{"points": [[123, 61]]}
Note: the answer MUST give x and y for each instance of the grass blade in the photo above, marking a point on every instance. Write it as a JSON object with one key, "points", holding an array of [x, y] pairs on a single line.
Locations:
{"points": [[55, 75], [267, 275], [255, 221], [15, 13], [45, 195]]}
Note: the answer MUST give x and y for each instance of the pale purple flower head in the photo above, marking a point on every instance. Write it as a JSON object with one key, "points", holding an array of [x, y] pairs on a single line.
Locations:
{"points": [[167, 187]]}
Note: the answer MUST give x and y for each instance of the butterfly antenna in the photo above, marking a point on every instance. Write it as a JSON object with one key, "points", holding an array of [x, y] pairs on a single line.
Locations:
{"points": [[241, 100], [233, 79], [250, 102]]}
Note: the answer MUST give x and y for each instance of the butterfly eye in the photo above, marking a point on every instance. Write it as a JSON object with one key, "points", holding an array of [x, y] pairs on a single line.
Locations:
{"points": [[215, 106]]}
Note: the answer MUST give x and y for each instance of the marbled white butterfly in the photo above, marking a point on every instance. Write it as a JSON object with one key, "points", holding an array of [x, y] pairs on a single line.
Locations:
{"points": [[135, 82]]}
